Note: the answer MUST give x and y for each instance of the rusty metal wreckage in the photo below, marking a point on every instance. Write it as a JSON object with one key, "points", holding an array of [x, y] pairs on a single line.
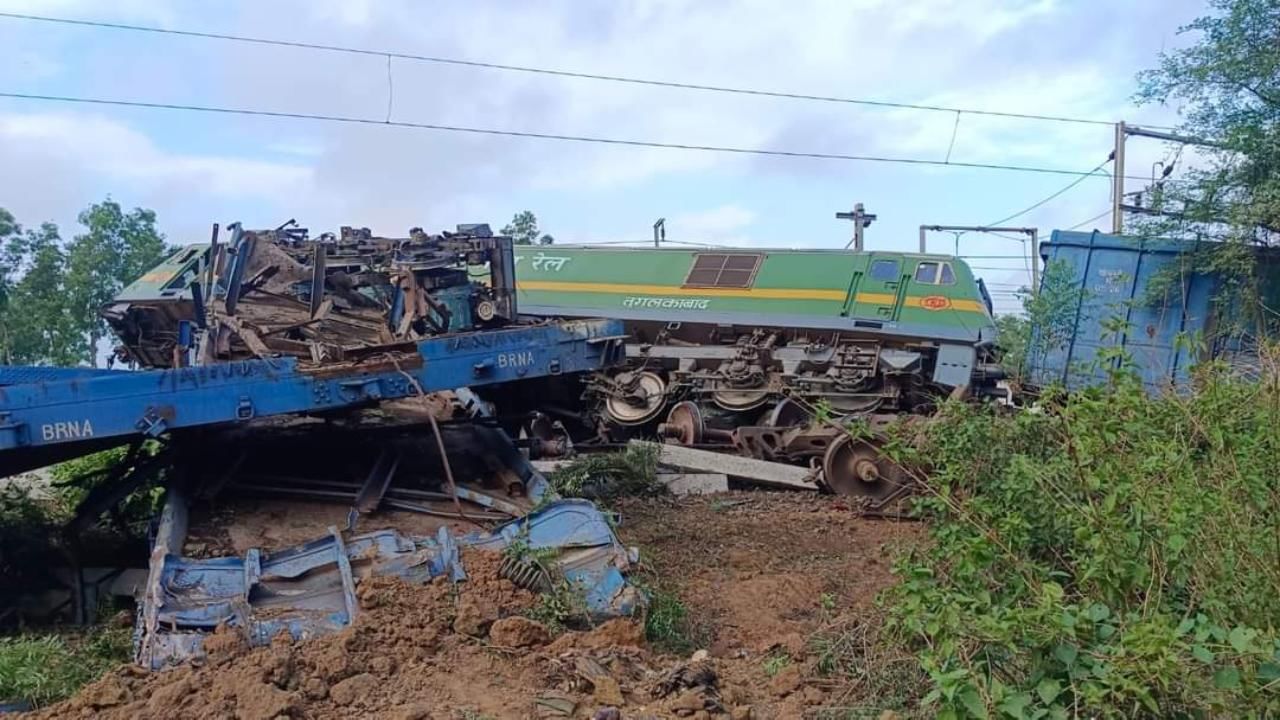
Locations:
{"points": [[289, 363]]}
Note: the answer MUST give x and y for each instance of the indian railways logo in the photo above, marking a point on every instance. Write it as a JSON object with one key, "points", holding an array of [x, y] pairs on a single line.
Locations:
{"points": [[935, 302]]}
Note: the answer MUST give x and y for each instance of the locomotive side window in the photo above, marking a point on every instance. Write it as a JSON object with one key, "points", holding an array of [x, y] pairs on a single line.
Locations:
{"points": [[720, 270], [884, 270], [935, 273]]}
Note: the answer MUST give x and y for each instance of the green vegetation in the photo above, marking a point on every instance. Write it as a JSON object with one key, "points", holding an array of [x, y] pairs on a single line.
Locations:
{"points": [[43, 669], [50, 290], [1052, 314], [667, 625], [1229, 86], [1110, 555], [775, 664], [561, 608], [523, 230], [76, 479], [609, 476]]}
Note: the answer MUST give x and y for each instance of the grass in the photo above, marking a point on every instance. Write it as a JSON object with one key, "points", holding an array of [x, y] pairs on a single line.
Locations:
{"points": [[667, 624], [867, 673], [44, 669], [776, 664]]}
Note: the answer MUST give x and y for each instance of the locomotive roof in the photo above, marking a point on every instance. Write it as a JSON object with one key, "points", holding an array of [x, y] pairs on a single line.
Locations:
{"points": [[725, 248]]}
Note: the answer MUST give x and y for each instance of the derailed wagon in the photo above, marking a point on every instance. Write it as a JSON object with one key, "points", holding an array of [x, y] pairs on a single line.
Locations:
{"points": [[274, 377]]}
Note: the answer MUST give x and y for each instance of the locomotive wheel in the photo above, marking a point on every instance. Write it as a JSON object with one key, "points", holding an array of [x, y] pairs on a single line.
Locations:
{"points": [[735, 400], [787, 413], [856, 466], [684, 424], [640, 403], [856, 406]]}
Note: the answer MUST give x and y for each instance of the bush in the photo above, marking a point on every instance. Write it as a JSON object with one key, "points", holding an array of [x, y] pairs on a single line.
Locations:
{"points": [[1112, 554]]}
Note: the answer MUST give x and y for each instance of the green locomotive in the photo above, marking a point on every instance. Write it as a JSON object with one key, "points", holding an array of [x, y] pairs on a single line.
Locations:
{"points": [[743, 347]]}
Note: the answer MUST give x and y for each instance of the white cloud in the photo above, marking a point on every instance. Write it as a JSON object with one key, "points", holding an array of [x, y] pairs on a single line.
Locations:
{"points": [[1032, 55], [724, 225], [59, 163], [114, 150]]}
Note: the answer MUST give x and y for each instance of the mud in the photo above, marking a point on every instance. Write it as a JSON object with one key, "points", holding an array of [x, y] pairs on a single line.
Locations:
{"points": [[758, 573], [232, 528]]}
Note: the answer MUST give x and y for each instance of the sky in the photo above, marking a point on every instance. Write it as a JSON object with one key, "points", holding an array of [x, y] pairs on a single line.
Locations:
{"points": [[1073, 58]]}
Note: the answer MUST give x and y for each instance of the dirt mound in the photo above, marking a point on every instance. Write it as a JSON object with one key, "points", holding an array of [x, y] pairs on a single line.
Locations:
{"points": [[758, 574], [401, 653]]}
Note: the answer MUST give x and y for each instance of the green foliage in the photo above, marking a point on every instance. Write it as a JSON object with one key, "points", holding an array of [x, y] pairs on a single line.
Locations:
{"points": [[1053, 312], [667, 625], [51, 291], [43, 669], [1014, 333], [75, 479], [1112, 554], [562, 607], [609, 476], [523, 230], [28, 531], [867, 674], [37, 326], [775, 664], [1228, 85], [117, 249]]}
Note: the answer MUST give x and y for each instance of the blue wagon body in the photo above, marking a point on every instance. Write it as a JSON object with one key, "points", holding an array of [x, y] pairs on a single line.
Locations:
{"points": [[1163, 337]]}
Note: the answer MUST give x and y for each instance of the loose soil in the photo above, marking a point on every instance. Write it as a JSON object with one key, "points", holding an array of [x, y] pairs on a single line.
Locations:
{"points": [[758, 572]]}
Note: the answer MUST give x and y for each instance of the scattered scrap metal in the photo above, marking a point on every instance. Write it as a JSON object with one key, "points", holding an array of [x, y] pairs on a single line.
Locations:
{"points": [[334, 298]]}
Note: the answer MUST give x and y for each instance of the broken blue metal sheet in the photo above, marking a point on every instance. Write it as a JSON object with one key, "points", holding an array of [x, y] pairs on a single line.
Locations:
{"points": [[592, 558], [51, 420], [309, 589]]}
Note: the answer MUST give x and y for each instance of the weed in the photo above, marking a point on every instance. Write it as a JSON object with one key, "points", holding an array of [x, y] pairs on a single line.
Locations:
{"points": [[562, 608], [43, 669], [667, 625], [827, 601], [776, 664], [609, 476]]}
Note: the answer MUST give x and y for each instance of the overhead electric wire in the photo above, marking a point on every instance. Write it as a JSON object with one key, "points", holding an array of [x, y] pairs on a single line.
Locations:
{"points": [[535, 135], [551, 71], [1099, 216], [1070, 185]]}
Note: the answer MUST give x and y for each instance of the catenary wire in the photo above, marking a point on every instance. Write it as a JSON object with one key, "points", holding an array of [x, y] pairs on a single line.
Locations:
{"points": [[1082, 223], [554, 72], [534, 135], [1070, 185]]}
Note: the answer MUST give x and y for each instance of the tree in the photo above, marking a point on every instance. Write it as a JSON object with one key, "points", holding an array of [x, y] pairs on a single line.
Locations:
{"points": [[117, 249], [523, 229], [1228, 84], [11, 253], [51, 294], [39, 329]]}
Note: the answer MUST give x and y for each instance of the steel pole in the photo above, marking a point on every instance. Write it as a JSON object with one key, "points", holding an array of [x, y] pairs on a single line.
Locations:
{"points": [[1117, 182], [1035, 261]]}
